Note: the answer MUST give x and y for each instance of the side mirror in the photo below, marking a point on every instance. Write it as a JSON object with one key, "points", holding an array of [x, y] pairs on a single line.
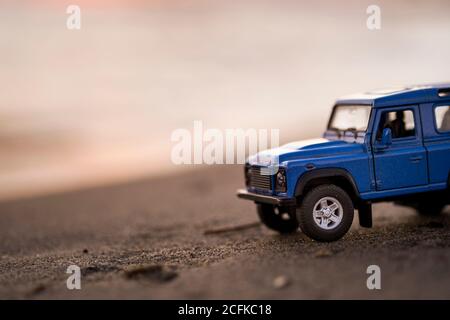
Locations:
{"points": [[386, 137]]}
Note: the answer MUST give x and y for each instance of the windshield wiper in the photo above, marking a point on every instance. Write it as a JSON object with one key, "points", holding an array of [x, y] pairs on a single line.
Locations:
{"points": [[338, 132], [352, 130]]}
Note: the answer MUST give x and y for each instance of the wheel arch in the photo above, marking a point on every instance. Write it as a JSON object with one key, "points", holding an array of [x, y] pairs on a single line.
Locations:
{"points": [[337, 176]]}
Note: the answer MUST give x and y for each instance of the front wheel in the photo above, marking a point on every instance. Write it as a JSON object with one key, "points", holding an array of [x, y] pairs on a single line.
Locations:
{"points": [[326, 213], [281, 219]]}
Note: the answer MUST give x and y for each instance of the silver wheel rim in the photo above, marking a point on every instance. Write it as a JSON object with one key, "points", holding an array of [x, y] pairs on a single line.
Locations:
{"points": [[328, 213]]}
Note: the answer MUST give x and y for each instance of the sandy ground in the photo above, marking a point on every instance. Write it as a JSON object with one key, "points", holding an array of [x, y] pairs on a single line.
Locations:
{"points": [[147, 239]]}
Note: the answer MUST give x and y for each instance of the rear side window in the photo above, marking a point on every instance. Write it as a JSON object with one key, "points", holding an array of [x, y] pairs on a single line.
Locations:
{"points": [[442, 115]]}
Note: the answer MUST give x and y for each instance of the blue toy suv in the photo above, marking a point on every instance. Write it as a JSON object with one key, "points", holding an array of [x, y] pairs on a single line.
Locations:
{"points": [[390, 145]]}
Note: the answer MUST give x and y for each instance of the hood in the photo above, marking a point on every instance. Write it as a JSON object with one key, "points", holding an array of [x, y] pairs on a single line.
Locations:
{"points": [[303, 149]]}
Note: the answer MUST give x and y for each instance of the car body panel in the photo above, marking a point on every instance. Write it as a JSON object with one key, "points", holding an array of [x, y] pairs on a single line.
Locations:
{"points": [[410, 165]]}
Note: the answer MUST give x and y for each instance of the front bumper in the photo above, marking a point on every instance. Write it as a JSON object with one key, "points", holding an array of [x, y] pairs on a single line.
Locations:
{"points": [[260, 198]]}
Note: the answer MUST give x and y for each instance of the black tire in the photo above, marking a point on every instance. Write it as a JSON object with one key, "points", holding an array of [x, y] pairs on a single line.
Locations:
{"points": [[342, 216], [429, 204], [429, 208], [281, 219]]}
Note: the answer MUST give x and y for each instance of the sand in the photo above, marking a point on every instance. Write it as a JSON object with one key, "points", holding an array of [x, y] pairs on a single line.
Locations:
{"points": [[156, 238]]}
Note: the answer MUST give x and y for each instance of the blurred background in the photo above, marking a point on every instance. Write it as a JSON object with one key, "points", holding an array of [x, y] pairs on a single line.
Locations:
{"points": [[98, 105]]}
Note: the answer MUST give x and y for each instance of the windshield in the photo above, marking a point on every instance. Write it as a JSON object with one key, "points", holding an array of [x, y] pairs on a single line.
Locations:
{"points": [[350, 118]]}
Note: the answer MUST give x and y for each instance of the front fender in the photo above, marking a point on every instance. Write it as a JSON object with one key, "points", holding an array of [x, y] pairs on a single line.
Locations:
{"points": [[308, 176]]}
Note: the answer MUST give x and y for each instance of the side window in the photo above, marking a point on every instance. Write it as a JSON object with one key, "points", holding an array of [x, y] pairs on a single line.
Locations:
{"points": [[442, 115], [400, 122]]}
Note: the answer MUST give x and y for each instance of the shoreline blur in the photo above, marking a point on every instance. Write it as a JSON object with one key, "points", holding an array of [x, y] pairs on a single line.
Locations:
{"points": [[98, 105]]}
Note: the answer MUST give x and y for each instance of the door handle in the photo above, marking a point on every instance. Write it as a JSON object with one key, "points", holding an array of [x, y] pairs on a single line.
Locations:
{"points": [[415, 159]]}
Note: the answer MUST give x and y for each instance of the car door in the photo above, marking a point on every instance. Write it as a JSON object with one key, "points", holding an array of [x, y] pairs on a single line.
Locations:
{"points": [[403, 163]]}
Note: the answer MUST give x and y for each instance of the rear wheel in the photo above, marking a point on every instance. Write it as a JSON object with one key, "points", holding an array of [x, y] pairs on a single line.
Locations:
{"points": [[429, 204], [430, 208], [433, 204], [281, 219], [326, 213]]}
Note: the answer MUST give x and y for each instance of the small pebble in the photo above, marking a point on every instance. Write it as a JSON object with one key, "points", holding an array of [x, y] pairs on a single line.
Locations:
{"points": [[280, 282], [323, 253], [159, 273], [38, 289]]}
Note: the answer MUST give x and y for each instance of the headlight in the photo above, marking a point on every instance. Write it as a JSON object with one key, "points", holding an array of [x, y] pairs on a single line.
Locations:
{"points": [[280, 180]]}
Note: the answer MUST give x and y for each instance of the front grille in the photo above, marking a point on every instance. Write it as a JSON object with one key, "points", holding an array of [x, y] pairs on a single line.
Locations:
{"points": [[258, 180]]}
